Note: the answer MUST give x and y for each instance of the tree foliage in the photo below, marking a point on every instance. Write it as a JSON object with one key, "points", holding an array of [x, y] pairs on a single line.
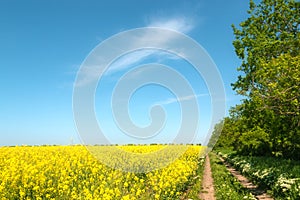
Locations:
{"points": [[268, 120], [271, 30]]}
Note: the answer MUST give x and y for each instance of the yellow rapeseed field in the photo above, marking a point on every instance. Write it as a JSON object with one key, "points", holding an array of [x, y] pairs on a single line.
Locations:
{"points": [[72, 172]]}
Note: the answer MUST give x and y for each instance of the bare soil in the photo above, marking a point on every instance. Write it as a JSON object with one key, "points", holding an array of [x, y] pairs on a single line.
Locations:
{"points": [[207, 190], [254, 189]]}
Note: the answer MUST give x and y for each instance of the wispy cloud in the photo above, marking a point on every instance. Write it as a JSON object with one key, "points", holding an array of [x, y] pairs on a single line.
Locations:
{"points": [[137, 57], [128, 60], [179, 24], [88, 74], [180, 99]]}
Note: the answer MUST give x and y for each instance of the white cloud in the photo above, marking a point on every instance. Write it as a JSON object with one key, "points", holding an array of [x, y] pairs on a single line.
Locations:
{"points": [[137, 57], [180, 99], [180, 24], [88, 74], [128, 60]]}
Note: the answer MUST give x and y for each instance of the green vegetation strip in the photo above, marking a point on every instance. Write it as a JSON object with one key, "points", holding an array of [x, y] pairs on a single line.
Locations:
{"points": [[226, 185], [281, 176], [195, 184]]}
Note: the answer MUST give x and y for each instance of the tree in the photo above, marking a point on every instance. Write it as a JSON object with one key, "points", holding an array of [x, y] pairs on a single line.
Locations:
{"points": [[271, 30], [279, 86], [278, 97], [268, 43]]}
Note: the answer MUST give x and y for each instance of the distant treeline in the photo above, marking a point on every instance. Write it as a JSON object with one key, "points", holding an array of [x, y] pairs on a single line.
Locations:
{"points": [[151, 144]]}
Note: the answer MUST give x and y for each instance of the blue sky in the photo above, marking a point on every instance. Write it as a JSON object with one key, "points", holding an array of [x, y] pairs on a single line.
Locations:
{"points": [[43, 44]]}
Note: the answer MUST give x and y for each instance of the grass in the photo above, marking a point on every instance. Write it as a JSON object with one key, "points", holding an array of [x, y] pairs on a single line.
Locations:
{"points": [[226, 185]]}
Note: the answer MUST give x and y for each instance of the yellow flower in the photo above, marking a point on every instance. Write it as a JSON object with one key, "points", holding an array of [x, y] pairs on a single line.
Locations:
{"points": [[71, 172], [127, 197]]}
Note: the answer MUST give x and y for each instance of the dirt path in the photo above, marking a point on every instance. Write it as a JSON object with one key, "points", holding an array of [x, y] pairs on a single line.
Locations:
{"points": [[207, 190], [258, 193]]}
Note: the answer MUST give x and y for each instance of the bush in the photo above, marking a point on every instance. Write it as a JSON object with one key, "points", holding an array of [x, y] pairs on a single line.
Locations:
{"points": [[255, 141]]}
